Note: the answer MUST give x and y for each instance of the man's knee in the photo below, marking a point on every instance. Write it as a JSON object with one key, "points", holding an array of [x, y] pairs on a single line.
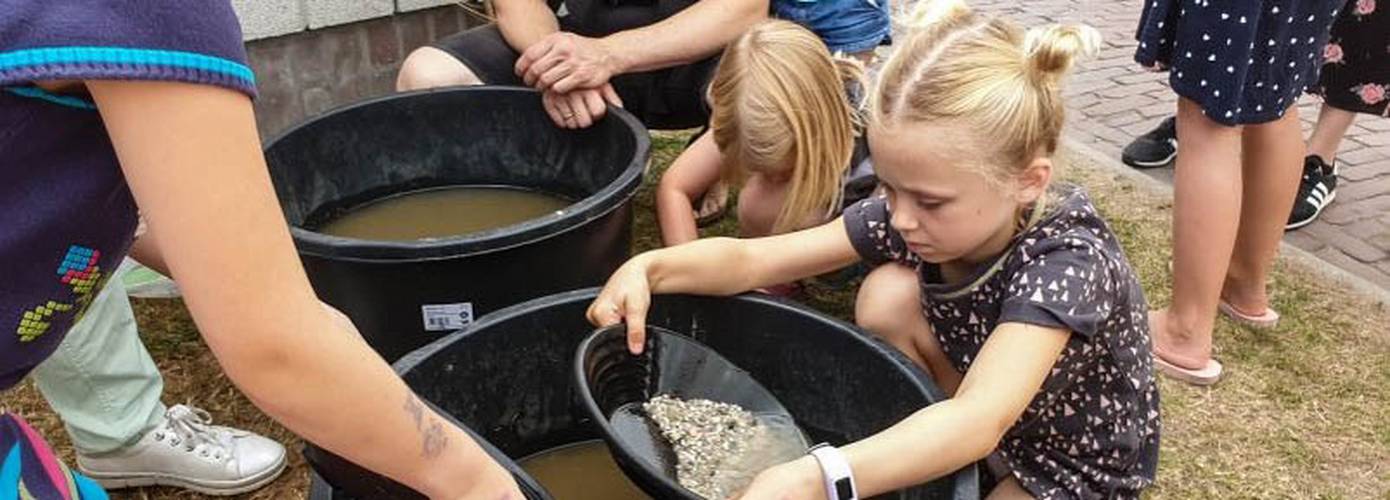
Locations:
{"points": [[428, 67]]}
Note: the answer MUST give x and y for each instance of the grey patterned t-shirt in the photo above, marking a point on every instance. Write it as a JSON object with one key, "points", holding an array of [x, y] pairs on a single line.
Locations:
{"points": [[1093, 429]]}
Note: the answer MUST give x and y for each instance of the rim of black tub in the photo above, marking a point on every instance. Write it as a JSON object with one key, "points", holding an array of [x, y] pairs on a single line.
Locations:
{"points": [[900, 362], [964, 483], [609, 198]]}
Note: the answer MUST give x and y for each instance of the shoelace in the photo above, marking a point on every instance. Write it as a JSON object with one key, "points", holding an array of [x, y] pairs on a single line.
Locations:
{"points": [[192, 428]]}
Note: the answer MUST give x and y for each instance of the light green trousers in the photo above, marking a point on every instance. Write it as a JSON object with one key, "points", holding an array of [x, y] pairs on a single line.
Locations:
{"points": [[101, 380]]}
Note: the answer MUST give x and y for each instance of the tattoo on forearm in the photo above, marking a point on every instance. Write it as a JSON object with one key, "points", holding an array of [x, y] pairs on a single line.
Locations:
{"points": [[433, 439], [414, 409]]}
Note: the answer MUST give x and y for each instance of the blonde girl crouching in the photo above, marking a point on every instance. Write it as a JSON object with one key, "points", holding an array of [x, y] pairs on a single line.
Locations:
{"points": [[782, 128]]}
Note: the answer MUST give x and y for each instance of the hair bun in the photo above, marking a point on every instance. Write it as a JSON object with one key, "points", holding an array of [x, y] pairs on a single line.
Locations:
{"points": [[925, 14], [1051, 50]]}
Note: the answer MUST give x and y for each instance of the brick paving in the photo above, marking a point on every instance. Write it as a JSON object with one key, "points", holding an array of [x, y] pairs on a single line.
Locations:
{"points": [[1111, 100]]}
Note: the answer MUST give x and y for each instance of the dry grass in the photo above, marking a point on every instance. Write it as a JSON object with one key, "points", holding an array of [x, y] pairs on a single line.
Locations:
{"points": [[1303, 413]]}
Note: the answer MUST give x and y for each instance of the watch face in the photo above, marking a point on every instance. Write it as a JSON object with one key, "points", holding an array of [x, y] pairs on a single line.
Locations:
{"points": [[843, 489]]}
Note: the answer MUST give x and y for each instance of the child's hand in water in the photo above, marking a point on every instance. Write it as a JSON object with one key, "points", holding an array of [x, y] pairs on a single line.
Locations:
{"points": [[799, 479], [626, 296]]}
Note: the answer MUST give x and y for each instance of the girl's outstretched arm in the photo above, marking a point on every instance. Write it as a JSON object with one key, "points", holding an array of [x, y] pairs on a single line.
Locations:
{"points": [[941, 438], [693, 173], [192, 157], [717, 266]]}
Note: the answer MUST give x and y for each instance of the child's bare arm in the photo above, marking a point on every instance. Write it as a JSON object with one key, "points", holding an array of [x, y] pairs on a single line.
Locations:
{"points": [[192, 158], [717, 266], [946, 436], [942, 438], [693, 173]]}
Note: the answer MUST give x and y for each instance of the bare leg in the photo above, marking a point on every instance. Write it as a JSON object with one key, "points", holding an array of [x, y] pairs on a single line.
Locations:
{"points": [[1206, 217], [1273, 160], [428, 67], [890, 305], [144, 251], [759, 203], [1331, 128], [1008, 489]]}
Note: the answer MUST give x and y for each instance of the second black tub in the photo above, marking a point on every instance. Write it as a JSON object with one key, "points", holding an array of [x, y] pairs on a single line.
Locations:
{"points": [[509, 378], [403, 294]]}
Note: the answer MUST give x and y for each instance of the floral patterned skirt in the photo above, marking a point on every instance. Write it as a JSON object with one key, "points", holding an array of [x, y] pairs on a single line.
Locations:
{"points": [[1356, 69]]}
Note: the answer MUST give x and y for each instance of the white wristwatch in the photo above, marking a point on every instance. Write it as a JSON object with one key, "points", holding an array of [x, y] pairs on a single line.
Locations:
{"points": [[839, 479]]}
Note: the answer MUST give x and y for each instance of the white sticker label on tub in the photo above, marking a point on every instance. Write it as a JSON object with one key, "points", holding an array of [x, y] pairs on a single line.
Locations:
{"points": [[447, 316]]}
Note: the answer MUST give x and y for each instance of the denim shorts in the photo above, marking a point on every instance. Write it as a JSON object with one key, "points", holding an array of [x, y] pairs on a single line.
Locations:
{"points": [[848, 26]]}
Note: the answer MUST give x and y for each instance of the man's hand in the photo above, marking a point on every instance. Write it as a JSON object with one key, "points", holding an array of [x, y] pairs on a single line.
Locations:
{"points": [[562, 62], [580, 108]]}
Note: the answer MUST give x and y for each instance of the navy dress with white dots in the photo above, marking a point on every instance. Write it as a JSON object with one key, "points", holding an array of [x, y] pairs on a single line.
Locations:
{"points": [[1242, 61]]}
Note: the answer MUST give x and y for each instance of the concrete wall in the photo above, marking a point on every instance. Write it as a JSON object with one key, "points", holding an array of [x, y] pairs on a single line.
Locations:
{"points": [[271, 18], [303, 70]]}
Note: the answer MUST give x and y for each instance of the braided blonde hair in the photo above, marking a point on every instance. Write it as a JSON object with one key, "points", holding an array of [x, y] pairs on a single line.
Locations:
{"points": [[981, 74]]}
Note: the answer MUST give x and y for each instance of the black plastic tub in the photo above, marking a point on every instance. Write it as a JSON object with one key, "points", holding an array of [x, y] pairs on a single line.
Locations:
{"points": [[402, 295], [509, 378]]}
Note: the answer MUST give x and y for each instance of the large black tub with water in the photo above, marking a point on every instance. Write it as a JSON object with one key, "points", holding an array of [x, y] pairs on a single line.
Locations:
{"points": [[509, 379], [404, 294]]}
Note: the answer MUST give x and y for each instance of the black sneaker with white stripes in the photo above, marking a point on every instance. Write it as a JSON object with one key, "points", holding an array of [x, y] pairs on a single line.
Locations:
{"points": [[1155, 148], [1315, 192]]}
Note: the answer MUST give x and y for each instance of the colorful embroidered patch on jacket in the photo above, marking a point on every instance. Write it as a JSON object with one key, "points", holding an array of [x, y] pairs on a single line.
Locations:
{"points": [[78, 270]]}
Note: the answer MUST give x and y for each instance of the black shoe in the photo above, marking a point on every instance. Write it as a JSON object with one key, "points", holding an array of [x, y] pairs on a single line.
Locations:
{"points": [[1155, 148], [1315, 192]]}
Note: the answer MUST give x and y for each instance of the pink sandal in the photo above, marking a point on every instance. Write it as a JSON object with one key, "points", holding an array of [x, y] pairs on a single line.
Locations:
{"points": [[1205, 376], [1264, 321], [1208, 375]]}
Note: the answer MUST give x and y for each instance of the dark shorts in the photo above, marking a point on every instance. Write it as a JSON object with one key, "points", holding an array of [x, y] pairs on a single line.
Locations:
{"points": [[671, 98]]}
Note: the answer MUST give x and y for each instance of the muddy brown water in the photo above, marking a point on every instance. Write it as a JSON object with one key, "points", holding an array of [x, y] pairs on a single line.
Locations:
{"points": [[581, 471], [587, 471], [442, 213]]}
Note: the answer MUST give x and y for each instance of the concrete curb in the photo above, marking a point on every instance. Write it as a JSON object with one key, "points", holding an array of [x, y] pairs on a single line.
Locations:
{"points": [[1356, 284]]}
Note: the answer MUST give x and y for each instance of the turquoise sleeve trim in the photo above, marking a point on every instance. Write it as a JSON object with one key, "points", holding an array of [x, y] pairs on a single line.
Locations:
{"points": [[88, 489], [38, 93], [9, 474], [125, 55]]}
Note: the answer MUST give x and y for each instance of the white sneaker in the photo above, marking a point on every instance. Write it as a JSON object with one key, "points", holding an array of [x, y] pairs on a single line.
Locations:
{"points": [[188, 452]]}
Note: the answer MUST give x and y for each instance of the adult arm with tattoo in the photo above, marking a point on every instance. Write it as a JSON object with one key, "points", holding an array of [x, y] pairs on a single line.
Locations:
{"points": [[192, 157]]}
